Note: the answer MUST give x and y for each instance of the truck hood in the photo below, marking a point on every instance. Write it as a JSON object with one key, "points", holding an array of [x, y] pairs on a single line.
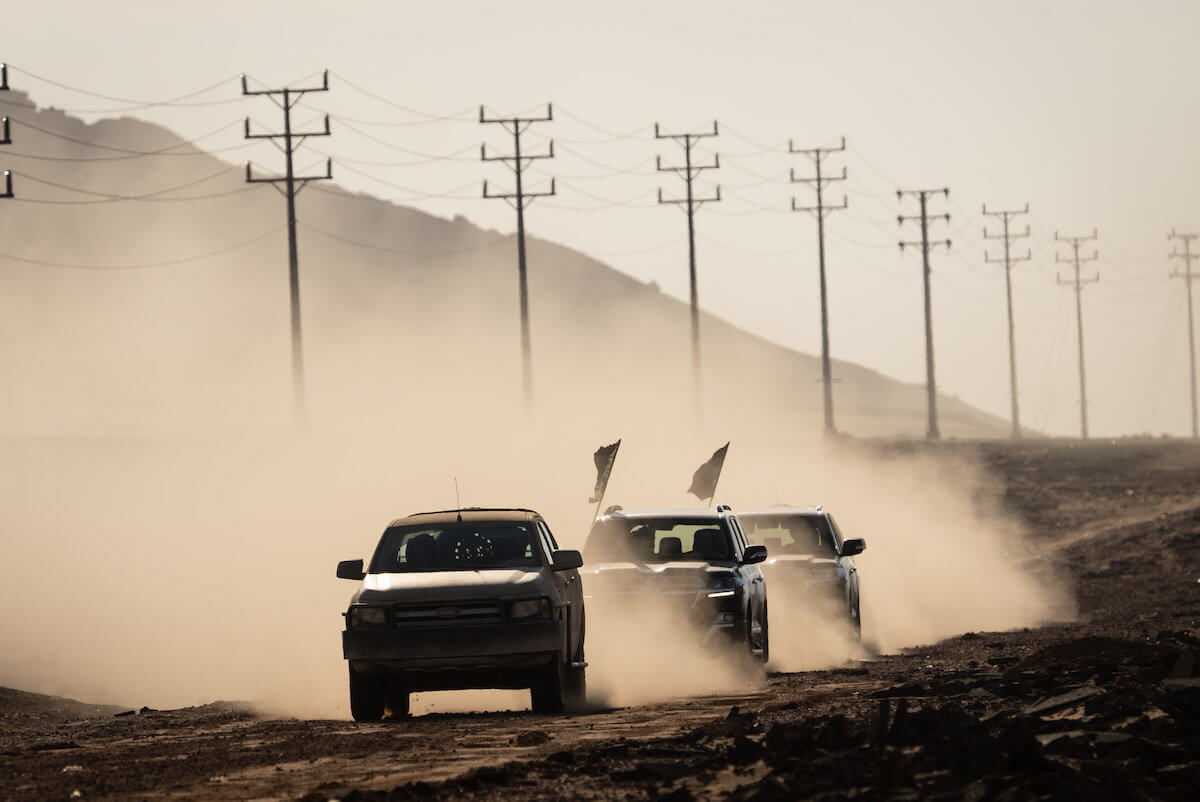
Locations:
{"points": [[682, 576], [437, 586]]}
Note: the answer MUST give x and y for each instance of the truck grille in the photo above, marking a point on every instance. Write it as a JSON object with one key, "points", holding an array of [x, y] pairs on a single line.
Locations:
{"points": [[446, 615]]}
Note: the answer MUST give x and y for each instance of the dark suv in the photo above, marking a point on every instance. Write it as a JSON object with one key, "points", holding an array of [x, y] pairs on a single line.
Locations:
{"points": [[697, 563], [809, 557], [471, 598]]}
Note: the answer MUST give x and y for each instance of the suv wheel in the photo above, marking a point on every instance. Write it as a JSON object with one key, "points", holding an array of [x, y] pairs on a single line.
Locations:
{"points": [[856, 619], [397, 698], [764, 638], [366, 697], [549, 691]]}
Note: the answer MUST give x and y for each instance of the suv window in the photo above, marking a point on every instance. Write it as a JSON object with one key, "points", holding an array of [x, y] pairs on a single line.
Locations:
{"points": [[792, 534], [658, 540], [455, 547]]}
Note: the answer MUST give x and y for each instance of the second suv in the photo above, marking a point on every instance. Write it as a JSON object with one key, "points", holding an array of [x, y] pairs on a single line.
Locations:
{"points": [[694, 563], [809, 558], [471, 598]]}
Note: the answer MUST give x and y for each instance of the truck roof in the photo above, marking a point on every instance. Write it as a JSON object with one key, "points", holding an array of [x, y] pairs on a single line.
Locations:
{"points": [[783, 509], [468, 514], [712, 515]]}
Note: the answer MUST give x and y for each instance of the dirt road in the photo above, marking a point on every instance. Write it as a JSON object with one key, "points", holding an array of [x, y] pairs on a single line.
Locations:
{"points": [[1107, 706]]}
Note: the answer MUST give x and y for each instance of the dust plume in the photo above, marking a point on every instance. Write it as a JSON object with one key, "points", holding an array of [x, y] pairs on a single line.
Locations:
{"points": [[169, 535]]}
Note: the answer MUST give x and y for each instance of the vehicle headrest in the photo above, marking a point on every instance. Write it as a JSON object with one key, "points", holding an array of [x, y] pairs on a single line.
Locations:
{"points": [[670, 547], [773, 544], [708, 543], [420, 551]]}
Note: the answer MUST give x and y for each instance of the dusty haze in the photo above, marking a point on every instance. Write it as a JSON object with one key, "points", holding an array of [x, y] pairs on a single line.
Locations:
{"points": [[174, 572]]}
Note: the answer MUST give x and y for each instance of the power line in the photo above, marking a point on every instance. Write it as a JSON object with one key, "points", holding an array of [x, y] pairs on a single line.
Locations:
{"points": [[143, 265], [1008, 235], [405, 251], [286, 100], [110, 196], [1078, 282], [518, 163], [930, 382], [689, 172], [164, 151], [1188, 277], [130, 104], [819, 181]]}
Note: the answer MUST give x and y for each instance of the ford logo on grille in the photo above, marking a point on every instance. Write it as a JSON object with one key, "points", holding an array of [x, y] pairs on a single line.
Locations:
{"points": [[447, 612]]}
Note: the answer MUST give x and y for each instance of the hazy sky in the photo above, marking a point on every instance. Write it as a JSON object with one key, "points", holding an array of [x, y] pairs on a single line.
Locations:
{"points": [[1079, 108]]}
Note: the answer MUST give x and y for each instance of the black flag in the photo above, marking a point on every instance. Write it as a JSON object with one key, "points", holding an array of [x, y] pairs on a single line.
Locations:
{"points": [[604, 458], [704, 480]]}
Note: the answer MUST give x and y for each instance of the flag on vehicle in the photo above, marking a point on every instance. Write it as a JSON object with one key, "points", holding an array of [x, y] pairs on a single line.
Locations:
{"points": [[604, 458], [704, 480]]}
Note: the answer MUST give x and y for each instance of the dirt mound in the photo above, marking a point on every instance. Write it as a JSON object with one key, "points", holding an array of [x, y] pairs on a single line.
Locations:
{"points": [[22, 704]]}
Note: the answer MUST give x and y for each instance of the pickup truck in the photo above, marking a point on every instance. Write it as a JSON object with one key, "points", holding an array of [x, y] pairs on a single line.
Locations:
{"points": [[458, 599]]}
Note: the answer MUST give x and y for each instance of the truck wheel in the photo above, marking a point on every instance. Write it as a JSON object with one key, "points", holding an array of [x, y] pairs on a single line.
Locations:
{"points": [[397, 699], [548, 694], [576, 689], [764, 638], [856, 619], [366, 697]]}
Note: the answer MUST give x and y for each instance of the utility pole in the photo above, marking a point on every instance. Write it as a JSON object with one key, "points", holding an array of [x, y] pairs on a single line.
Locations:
{"points": [[819, 181], [1078, 283], [689, 171], [1188, 276], [518, 162], [5, 136], [286, 99], [922, 195], [1008, 235]]}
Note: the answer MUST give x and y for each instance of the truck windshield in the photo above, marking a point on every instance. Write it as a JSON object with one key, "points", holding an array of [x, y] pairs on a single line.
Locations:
{"points": [[658, 540], [455, 547], [806, 535]]}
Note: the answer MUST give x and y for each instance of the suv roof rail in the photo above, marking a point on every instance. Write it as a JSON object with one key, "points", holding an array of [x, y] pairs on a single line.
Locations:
{"points": [[613, 508], [724, 508], [476, 509]]}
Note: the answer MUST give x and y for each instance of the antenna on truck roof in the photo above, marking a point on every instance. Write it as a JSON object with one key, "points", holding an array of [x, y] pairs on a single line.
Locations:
{"points": [[457, 500]]}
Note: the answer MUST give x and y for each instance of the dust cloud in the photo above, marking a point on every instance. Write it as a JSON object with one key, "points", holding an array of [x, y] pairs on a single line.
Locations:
{"points": [[168, 536], [176, 571]]}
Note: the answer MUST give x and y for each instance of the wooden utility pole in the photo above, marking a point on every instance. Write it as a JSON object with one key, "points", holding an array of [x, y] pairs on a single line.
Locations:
{"points": [[689, 171], [1008, 236], [1188, 277], [286, 99], [922, 195], [518, 162], [819, 181], [1078, 283]]}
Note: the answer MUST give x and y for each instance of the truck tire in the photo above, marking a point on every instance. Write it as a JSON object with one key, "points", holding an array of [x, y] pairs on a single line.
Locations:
{"points": [[397, 698], [576, 689], [764, 638], [366, 697], [549, 691], [856, 619]]}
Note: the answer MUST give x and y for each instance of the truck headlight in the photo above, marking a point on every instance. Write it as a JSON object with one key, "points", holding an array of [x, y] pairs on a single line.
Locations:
{"points": [[368, 617], [530, 608]]}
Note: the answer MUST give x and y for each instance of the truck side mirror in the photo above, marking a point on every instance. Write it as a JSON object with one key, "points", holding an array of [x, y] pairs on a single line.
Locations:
{"points": [[851, 547], [351, 569], [754, 554], [566, 560]]}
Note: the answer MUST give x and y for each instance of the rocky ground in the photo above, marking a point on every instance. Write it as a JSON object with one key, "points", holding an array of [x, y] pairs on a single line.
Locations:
{"points": [[1105, 707]]}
